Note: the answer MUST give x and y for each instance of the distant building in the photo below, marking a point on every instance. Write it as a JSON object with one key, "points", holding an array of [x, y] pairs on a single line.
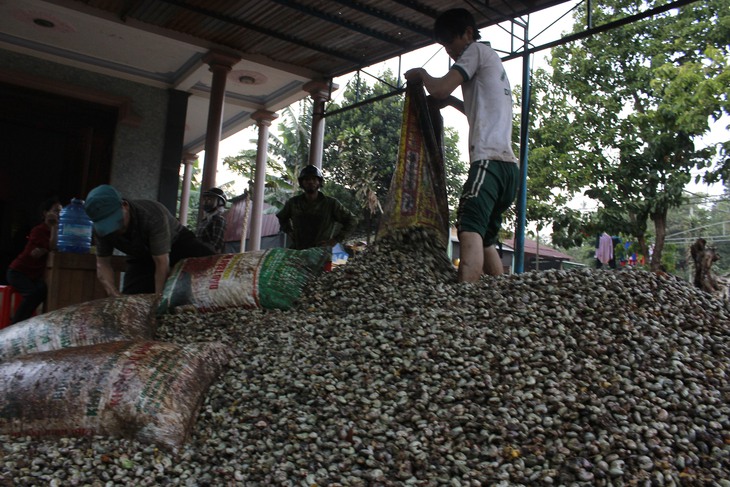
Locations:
{"points": [[537, 257]]}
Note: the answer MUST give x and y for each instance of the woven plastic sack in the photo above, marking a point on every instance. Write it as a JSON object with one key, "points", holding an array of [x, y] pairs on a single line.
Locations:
{"points": [[101, 320], [148, 391], [417, 194], [270, 279]]}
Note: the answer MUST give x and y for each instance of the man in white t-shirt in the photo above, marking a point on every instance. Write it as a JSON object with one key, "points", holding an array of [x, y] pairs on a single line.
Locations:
{"points": [[492, 182]]}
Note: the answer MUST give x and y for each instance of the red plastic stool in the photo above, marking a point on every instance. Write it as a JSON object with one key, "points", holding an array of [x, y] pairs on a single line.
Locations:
{"points": [[10, 300]]}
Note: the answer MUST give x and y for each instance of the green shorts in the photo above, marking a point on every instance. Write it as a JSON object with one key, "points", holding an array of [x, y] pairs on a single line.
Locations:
{"points": [[489, 191]]}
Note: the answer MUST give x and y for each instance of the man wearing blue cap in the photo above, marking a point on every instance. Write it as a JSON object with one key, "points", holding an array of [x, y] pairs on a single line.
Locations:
{"points": [[153, 239]]}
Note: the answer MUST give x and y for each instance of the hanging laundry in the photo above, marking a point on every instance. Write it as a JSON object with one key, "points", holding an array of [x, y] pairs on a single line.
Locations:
{"points": [[605, 248]]}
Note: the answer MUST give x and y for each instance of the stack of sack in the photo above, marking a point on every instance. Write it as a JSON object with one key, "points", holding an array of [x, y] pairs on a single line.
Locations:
{"points": [[95, 369]]}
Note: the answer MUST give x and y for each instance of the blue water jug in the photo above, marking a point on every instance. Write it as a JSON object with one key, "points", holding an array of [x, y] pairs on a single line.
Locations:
{"points": [[74, 228]]}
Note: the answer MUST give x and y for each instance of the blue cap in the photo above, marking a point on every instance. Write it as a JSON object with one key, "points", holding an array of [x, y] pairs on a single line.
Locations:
{"points": [[104, 207]]}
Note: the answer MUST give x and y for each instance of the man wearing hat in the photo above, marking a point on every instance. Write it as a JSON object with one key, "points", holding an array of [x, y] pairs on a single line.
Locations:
{"points": [[146, 231], [212, 226], [312, 219]]}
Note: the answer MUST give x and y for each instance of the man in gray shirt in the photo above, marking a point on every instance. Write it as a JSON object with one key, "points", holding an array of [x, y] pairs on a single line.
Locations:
{"points": [[145, 230]]}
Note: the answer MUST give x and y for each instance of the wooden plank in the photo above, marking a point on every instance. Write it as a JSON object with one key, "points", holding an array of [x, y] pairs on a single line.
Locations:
{"points": [[72, 278]]}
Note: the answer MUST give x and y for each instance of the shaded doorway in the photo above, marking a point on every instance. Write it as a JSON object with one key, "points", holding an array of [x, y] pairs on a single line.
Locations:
{"points": [[51, 146]]}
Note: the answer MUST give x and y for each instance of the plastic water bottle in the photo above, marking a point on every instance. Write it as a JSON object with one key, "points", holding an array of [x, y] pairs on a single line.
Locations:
{"points": [[74, 228]]}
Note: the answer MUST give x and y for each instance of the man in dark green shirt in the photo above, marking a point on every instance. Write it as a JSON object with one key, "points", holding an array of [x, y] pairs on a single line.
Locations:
{"points": [[312, 219]]}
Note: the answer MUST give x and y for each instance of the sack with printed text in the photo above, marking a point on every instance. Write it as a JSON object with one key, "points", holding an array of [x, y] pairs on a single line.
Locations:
{"points": [[143, 390], [417, 194], [269, 279], [130, 317]]}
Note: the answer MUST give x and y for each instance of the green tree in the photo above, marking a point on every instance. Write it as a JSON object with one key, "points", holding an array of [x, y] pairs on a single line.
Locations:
{"points": [[290, 145], [553, 176], [288, 154], [720, 221], [277, 189], [356, 171], [630, 104], [378, 123], [456, 170]]}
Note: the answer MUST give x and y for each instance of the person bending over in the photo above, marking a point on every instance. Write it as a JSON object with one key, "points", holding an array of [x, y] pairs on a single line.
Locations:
{"points": [[145, 230]]}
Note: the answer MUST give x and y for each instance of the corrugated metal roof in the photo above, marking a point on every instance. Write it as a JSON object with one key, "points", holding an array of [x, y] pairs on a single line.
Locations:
{"points": [[329, 37], [281, 45]]}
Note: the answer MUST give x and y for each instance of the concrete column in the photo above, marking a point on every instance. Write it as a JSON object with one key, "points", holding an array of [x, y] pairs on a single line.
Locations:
{"points": [[172, 149], [188, 160], [263, 120], [320, 91], [220, 65]]}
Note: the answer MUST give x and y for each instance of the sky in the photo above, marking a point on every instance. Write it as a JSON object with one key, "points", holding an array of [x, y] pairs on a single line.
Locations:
{"points": [[544, 27]]}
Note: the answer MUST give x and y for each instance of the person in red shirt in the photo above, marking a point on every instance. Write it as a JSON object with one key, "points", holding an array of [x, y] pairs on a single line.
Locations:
{"points": [[26, 272]]}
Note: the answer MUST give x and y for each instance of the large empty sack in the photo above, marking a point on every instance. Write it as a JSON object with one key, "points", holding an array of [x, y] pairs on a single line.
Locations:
{"points": [[417, 194], [270, 279], [144, 390], [98, 321]]}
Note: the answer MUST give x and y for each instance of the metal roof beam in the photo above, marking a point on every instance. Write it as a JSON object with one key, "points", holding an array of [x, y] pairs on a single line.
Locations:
{"points": [[602, 28], [399, 22], [418, 7], [263, 30], [338, 21]]}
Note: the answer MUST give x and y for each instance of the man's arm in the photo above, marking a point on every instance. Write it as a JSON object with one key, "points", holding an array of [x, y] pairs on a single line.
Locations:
{"points": [[53, 242], [346, 220], [451, 100], [214, 233], [105, 274], [456, 103], [40, 245], [284, 217], [439, 88], [162, 269], [218, 232]]}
